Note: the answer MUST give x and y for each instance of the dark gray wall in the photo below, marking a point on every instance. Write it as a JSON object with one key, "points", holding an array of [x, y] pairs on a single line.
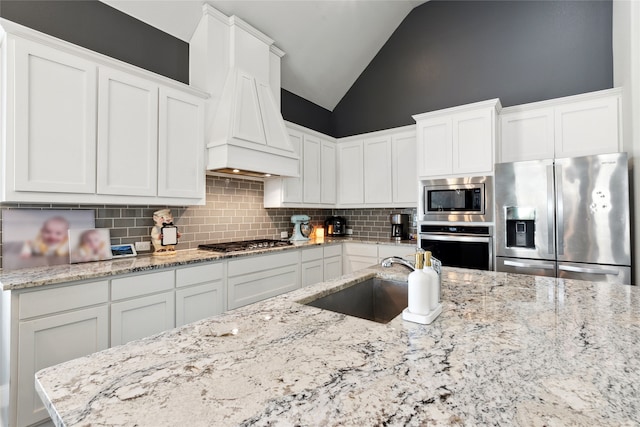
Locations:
{"points": [[447, 53], [99, 27], [305, 113]]}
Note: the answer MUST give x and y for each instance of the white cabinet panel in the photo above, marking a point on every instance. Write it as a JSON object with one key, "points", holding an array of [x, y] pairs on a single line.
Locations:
{"points": [[404, 169], [199, 302], [127, 134], [328, 173], [142, 317], [293, 186], [350, 173], [312, 272], [435, 146], [142, 284], [311, 169], [527, 135], [47, 341], [587, 127], [55, 122], [181, 170], [332, 267], [473, 142], [377, 170]]}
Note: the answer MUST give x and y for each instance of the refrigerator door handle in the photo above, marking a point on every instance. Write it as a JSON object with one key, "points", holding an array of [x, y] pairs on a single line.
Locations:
{"points": [[529, 265], [550, 213], [559, 210], [588, 270]]}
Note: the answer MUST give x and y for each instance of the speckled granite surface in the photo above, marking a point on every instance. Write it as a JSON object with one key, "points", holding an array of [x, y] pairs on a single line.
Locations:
{"points": [[32, 277], [512, 350]]}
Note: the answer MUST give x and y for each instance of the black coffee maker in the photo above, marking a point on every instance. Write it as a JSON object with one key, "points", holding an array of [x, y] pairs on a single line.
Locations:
{"points": [[335, 226], [399, 226]]}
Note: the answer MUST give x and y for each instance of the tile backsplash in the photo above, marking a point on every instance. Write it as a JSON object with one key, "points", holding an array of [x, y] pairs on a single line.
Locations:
{"points": [[233, 211]]}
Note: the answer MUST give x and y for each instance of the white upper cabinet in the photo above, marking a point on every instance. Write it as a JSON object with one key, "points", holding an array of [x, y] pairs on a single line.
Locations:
{"points": [[377, 170], [127, 134], [311, 169], [404, 169], [55, 125], [316, 185], [85, 128], [180, 144], [350, 173], [457, 141], [578, 125], [328, 173]]}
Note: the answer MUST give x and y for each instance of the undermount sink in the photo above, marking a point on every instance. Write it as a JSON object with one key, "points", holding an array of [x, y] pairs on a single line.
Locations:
{"points": [[375, 299]]}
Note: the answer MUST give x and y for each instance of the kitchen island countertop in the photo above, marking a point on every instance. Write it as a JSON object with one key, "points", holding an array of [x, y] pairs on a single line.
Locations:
{"points": [[507, 350], [40, 276]]}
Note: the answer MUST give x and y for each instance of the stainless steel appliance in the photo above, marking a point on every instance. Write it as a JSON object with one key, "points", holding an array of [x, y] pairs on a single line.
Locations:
{"points": [[565, 218], [245, 245], [335, 226], [466, 246], [466, 199], [399, 226]]}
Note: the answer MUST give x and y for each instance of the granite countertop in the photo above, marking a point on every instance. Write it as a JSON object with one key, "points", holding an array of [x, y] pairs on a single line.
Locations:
{"points": [[508, 349], [39, 276]]}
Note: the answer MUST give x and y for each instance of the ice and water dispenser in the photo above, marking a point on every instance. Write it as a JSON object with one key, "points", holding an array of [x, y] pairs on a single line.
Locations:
{"points": [[521, 227]]}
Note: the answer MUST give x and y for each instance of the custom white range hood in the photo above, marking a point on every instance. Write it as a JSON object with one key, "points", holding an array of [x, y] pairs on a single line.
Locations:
{"points": [[240, 67]]}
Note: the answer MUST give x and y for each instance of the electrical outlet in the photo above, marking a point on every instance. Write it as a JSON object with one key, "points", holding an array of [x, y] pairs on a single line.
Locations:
{"points": [[143, 246], [284, 234]]}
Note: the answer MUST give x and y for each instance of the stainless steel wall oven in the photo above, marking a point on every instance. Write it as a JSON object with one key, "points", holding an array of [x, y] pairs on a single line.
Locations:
{"points": [[466, 246]]}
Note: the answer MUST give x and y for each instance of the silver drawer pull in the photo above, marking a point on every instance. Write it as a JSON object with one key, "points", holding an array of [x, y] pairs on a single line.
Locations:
{"points": [[528, 265], [588, 270]]}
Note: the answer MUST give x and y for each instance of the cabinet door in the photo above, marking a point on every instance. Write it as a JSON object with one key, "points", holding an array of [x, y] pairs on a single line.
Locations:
{"points": [[587, 127], [50, 340], [181, 171], [434, 147], [55, 121], [311, 169], [332, 267], [354, 263], [312, 272], [127, 134], [350, 173], [199, 302], [527, 135], [141, 317], [404, 168], [328, 173], [473, 142], [377, 170], [292, 187]]}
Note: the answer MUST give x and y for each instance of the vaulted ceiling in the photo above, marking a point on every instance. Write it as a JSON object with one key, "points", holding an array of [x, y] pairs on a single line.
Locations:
{"points": [[328, 43]]}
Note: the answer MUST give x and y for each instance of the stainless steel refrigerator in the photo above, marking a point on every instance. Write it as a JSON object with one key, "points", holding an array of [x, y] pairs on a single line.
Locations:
{"points": [[565, 218]]}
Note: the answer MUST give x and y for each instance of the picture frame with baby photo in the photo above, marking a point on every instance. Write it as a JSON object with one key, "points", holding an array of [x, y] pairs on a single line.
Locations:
{"points": [[92, 244]]}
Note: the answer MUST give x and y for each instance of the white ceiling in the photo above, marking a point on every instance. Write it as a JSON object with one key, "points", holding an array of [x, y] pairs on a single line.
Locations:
{"points": [[328, 43]]}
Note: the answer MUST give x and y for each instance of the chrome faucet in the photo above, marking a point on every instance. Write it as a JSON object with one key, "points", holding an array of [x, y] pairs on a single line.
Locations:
{"points": [[397, 260]]}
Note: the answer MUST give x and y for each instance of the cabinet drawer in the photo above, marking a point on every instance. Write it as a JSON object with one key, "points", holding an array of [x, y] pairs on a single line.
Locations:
{"points": [[361, 249], [311, 254], [38, 303], [259, 263], [198, 274], [142, 284], [332, 250]]}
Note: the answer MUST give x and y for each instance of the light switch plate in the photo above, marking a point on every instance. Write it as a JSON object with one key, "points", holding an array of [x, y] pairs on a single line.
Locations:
{"points": [[284, 234], [143, 246]]}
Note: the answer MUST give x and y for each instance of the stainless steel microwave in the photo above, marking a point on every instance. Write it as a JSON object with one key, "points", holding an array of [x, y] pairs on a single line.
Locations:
{"points": [[466, 199]]}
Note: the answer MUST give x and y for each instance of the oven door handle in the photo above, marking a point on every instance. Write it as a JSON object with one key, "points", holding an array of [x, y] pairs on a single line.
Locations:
{"points": [[529, 265], [455, 238]]}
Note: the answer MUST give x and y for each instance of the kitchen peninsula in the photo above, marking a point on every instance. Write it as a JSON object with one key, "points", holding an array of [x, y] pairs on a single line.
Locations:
{"points": [[507, 350]]}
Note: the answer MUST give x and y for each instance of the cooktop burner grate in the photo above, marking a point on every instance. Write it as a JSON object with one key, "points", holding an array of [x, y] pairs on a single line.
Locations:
{"points": [[245, 245]]}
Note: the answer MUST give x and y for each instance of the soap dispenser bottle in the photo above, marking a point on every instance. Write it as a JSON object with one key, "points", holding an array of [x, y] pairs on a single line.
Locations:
{"points": [[433, 282], [419, 292]]}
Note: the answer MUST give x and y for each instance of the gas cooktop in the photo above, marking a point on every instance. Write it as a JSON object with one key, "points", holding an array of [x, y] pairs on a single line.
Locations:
{"points": [[245, 245]]}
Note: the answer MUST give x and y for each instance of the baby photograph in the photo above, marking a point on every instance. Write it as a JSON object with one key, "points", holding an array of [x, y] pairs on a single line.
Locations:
{"points": [[89, 245]]}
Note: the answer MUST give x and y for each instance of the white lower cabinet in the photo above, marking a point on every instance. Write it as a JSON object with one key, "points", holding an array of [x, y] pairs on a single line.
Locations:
{"points": [[51, 333], [362, 255], [255, 278], [140, 314], [200, 294], [312, 266], [332, 262]]}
